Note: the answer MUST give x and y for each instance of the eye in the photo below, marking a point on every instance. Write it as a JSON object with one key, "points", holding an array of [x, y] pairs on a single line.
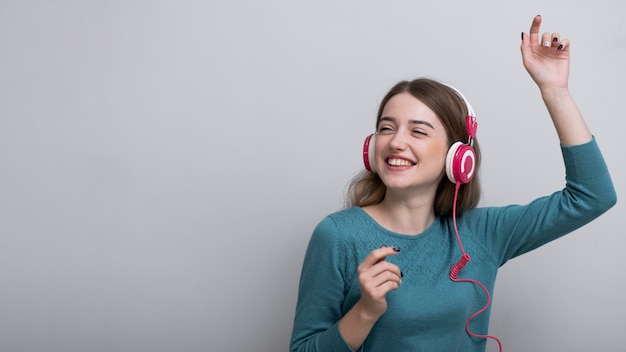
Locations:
{"points": [[385, 129], [419, 132]]}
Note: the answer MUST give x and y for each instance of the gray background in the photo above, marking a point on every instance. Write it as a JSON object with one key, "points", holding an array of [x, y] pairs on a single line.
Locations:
{"points": [[163, 163]]}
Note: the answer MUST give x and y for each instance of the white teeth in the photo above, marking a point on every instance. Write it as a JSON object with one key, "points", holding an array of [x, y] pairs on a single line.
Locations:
{"points": [[398, 162]]}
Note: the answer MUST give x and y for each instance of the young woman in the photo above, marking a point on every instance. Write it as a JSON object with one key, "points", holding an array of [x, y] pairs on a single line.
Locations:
{"points": [[409, 264]]}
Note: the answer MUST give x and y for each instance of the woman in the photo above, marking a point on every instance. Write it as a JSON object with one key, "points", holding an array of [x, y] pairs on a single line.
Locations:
{"points": [[409, 264]]}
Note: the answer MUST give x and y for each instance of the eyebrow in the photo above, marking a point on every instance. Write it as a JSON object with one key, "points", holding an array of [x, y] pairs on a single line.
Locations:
{"points": [[412, 122]]}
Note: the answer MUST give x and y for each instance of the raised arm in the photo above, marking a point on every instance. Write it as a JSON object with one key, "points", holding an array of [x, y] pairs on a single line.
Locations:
{"points": [[547, 58]]}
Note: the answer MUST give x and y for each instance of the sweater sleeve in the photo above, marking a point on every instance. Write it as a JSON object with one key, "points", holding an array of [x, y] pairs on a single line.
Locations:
{"points": [[320, 294], [588, 193]]}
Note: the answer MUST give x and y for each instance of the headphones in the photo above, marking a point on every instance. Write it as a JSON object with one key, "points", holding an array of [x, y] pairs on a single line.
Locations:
{"points": [[461, 158]]}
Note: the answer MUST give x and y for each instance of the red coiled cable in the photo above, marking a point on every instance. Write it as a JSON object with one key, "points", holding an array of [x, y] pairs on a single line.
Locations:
{"points": [[456, 269]]}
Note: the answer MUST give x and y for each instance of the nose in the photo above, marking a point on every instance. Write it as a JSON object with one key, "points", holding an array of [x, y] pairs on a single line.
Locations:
{"points": [[398, 141]]}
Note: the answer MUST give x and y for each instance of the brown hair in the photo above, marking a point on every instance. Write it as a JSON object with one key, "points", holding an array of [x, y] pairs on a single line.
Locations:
{"points": [[366, 188]]}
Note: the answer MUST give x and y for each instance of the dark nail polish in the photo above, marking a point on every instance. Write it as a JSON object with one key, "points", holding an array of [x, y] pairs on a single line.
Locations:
{"points": [[560, 47], [555, 39], [522, 35], [401, 274], [396, 249]]}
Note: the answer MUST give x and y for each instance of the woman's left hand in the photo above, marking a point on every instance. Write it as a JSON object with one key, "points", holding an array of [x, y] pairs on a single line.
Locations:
{"points": [[547, 58]]}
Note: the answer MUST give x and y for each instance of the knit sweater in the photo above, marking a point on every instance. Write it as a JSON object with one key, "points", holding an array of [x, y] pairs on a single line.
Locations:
{"points": [[428, 312]]}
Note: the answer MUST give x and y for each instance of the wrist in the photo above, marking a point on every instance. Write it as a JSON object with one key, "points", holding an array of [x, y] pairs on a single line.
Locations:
{"points": [[356, 325], [554, 93], [364, 315]]}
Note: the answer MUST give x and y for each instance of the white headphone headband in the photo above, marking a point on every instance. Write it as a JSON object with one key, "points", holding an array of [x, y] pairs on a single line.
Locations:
{"points": [[470, 110]]}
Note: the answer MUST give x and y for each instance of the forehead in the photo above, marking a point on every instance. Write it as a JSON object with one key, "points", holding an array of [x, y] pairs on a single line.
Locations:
{"points": [[405, 108]]}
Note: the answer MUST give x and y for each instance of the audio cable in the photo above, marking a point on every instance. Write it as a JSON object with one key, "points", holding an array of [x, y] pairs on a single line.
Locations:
{"points": [[456, 269]]}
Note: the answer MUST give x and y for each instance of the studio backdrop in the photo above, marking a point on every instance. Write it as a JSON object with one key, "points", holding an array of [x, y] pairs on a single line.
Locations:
{"points": [[163, 163]]}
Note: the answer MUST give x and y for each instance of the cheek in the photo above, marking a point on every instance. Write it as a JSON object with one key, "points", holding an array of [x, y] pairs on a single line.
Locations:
{"points": [[378, 147], [438, 152], [439, 147]]}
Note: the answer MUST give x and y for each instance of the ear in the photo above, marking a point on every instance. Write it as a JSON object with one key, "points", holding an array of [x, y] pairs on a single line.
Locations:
{"points": [[369, 159], [460, 163]]}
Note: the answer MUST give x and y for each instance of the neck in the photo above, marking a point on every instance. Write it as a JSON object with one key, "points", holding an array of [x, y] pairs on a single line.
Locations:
{"points": [[404, 216]]}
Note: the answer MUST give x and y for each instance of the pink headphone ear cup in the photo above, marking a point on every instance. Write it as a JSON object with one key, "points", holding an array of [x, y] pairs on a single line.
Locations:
{"points": [[460, 163], [368, 153]]}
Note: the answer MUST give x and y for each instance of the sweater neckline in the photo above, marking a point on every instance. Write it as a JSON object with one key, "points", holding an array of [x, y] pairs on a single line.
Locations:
{"points": [[428, 231]]}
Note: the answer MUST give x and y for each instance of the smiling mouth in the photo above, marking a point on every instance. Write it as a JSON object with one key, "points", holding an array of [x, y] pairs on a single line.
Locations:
{"points": [[399, 162]]}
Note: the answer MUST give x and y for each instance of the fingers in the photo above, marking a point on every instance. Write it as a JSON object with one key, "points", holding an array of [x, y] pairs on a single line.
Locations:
{"points": [[546, 40], [384, 276], [527, 46], [378, 255], [374, 272], [558, 43], [534, 29]]}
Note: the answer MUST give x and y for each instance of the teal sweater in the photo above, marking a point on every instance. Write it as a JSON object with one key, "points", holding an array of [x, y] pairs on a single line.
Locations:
{"points": [[428, 312]]}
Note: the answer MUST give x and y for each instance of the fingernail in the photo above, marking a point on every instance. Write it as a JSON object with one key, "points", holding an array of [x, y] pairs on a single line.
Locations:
{"points": [[522, 35], [560, 47], [546, 44], [401, 274], [555, 39], [396, 249]]}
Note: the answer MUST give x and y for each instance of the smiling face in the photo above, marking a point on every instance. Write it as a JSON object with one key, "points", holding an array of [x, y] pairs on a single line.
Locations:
{"points": [[411, 145]]}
